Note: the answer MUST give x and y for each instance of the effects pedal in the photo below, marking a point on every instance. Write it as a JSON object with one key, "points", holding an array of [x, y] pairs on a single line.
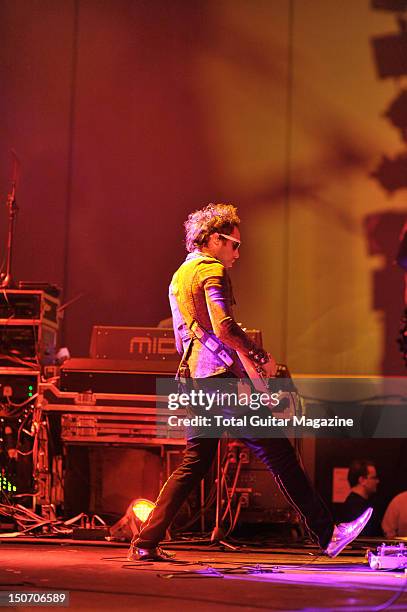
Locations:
{"points": [[388, 557]]}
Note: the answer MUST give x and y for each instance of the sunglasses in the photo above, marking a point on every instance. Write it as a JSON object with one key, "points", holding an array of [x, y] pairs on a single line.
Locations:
{"points": [[235, 243]]}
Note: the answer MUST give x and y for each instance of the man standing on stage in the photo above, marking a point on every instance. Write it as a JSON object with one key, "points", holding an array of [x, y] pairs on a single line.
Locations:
{"points": [[201, 301]]}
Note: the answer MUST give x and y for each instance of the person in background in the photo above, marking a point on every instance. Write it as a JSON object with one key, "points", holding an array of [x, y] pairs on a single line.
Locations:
{"points": [[363, 479], [394, 523]]}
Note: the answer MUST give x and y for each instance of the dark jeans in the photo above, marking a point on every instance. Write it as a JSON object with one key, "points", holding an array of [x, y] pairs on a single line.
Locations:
{"points": [[277, 454]]}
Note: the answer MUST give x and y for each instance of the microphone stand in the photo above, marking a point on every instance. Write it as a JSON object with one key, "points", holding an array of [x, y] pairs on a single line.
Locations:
{"points": [[6, 277], [218, 535]]}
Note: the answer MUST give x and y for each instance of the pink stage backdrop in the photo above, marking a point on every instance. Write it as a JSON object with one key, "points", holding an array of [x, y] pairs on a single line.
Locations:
{"points": [[127, 114]]}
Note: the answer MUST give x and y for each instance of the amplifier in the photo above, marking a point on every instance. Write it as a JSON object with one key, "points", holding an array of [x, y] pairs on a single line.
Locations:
{"points": [[151, 348], [32, 305], [109, 376], [28, 326], [261, 499]]}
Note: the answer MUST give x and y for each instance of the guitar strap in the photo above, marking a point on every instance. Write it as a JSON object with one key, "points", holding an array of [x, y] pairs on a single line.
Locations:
{"points": [[215, 346], [200, 333], [210, 342]]}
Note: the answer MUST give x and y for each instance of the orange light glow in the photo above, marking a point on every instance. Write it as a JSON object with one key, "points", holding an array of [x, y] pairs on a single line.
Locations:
{"points": [[142, 509]]}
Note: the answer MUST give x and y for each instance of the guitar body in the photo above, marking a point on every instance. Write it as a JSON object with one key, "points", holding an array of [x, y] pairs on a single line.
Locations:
{"points": [[255, 373], [289, 398]]}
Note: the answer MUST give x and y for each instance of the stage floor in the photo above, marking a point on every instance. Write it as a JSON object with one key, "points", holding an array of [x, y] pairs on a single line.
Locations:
{"points": [[200, 578]]}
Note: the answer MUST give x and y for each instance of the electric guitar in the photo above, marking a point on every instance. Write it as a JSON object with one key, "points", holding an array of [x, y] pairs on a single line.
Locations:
{"points": [[288, 395]]}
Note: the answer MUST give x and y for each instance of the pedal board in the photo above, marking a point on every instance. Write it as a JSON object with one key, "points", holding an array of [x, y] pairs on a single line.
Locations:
{"points": [[388, 557]]}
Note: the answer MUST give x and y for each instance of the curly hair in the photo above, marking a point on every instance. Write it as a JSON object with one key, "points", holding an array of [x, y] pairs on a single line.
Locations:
{"points": [[213, 218]]}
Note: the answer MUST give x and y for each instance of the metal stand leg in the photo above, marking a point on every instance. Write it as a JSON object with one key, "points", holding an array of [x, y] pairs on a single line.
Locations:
{"points": [[218, 534]]}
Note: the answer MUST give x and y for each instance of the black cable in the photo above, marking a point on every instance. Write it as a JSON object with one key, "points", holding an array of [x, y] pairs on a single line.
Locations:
{"points": [[395, 597], [264, 568], [207, 503], [210, 498], [22, 404], [28, 364]]}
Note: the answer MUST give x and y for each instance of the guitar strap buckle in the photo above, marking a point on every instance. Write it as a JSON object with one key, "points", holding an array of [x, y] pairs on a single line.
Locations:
{"points": [[211, 343]]}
